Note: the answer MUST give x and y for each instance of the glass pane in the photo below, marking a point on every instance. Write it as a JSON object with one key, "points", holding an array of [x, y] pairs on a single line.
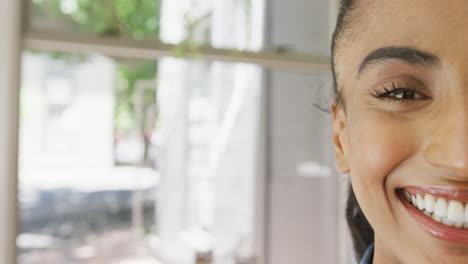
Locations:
{"points": [[233, 24], [87, 183], [137, 19], [124, 160], [230, 24], [209, 122]]}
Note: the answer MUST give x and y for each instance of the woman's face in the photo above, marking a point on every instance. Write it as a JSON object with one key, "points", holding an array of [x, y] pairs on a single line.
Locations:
{"points": [[403, 129]]}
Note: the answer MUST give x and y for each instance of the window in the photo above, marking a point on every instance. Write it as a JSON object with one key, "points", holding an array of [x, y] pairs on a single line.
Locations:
{"points": [[158, 154], [141, 130]]}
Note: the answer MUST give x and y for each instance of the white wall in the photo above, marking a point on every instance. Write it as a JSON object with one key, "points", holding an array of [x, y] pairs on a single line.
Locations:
{"points": [[301, 211]]}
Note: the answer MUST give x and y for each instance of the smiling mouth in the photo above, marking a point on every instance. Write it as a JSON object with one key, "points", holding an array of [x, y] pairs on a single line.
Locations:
{"points": [[445, 211], [440, 211]]}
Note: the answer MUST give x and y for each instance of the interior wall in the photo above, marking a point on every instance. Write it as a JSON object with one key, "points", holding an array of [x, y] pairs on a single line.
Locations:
{"points": [[301, 180]]}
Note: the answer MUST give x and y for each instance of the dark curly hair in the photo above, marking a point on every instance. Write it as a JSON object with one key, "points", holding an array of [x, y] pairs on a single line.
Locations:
{"points": [[361, 232]]}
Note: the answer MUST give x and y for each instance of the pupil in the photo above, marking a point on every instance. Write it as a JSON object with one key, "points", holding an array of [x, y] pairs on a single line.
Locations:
{"points": [[404, 95], [407, 95]]}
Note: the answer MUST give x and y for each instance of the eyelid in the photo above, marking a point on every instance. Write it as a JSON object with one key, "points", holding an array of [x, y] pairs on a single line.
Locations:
{"points": [[393, 99], [394, 93], [404, 83], [405, 77]]}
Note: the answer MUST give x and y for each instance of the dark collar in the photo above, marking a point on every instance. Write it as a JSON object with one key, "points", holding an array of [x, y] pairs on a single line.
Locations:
{"points": [[368, 256]]}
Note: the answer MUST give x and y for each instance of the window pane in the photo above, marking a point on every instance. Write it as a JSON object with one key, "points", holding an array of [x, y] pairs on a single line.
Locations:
{"points": [[137, 19], [127, 160], [233, 24], [131, 160], [209, 122], [81, 199]]}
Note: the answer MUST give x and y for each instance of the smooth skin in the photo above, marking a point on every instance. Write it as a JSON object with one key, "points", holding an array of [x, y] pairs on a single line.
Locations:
{"points": [[394, 141]]}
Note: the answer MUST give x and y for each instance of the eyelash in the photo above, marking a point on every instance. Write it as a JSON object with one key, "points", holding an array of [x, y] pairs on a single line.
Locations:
{"points": [[386, 93]]}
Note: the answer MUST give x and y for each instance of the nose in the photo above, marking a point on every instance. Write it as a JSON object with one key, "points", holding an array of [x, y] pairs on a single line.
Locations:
{"points": [[447, 145]]}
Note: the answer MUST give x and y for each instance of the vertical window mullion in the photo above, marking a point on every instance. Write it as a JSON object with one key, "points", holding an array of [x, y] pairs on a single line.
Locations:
{"points": [[10, 50]]}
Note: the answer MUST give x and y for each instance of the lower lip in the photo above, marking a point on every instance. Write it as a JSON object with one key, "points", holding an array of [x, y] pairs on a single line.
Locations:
{"points": [[436, 229]]}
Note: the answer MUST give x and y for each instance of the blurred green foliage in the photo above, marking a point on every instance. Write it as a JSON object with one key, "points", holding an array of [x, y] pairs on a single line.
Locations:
{"points": [[138, 19], [129, 73]]}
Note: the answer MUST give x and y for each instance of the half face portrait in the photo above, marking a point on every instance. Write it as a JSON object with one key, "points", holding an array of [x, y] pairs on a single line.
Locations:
{"points": [[400, 126]]}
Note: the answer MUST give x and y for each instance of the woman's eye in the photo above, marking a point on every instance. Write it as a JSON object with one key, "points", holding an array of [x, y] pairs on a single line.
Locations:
{"points": [[405, 95], [399, 94]]}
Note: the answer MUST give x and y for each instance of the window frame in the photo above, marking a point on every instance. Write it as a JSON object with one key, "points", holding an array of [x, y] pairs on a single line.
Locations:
{"points": [[153, 49], [16, 37]]}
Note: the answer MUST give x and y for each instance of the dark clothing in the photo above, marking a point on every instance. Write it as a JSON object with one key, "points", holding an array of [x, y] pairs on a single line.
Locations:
{"points": [[368, 256]]}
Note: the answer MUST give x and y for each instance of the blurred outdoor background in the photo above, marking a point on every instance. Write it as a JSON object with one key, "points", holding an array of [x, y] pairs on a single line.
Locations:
{"points": [[174, 132]]}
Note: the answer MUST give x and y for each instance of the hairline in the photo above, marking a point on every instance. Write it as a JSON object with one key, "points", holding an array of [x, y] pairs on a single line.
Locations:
{"points": [[347, 18]]}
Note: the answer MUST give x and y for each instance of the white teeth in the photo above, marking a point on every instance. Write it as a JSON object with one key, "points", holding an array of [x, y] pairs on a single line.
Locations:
{"points": [[447, 222], [440, 209], [455, 213], [448, 212], [429, 203], [436, 218], [465, 225], [420, 201]]}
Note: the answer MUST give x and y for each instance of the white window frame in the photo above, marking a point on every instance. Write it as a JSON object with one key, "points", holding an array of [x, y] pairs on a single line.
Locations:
{"points": [[14, 37], [10, 51], [153, 49]]}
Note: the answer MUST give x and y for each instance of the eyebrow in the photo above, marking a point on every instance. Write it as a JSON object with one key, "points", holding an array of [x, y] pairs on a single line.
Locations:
{"points": [[406, 54]]}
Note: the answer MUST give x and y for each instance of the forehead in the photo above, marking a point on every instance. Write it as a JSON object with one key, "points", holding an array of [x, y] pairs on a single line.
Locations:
{"points": [[416, 18], [439, 27]]}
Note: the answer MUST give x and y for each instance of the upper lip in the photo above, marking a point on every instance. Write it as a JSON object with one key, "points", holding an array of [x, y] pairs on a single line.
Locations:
{"points": [[451, 193]]}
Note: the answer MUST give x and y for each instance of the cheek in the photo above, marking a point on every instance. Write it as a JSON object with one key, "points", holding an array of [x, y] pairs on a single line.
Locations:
{"points": [[378, 144]]}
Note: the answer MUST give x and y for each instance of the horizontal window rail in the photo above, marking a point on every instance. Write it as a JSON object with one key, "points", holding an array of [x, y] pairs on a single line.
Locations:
{"points": [[153, 49]]}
